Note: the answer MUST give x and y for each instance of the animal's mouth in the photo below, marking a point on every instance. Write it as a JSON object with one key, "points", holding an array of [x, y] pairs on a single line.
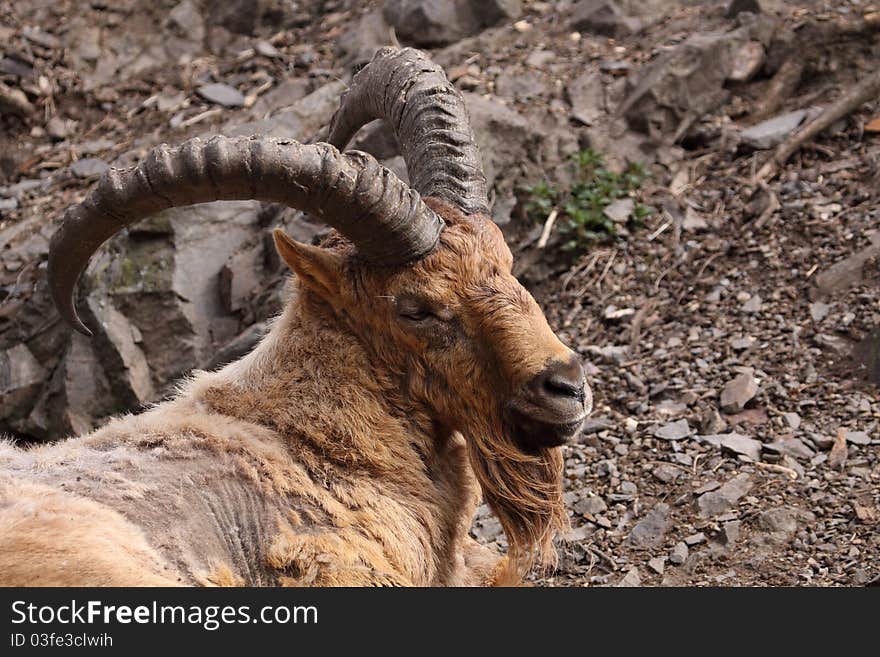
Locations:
{"points": [[533, 433], [551, 406]]}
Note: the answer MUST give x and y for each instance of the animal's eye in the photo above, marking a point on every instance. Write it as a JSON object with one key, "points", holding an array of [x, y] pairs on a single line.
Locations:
{"points": [[418, 310], [417, 315]]}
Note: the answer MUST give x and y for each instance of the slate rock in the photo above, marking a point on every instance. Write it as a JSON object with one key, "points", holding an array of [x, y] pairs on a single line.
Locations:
{"points": [[57, 128], [632, 578], [657, 564], [441, 22], [586, 95], [683, 83], [711, 422], [591, 504], [615, 354], [791, 447], [783, 522], [666, 473], [707, 487], [77, 393], [13, 66], [187, 20], [736, 7], [597, 424], [651, 530], [620, 211], [729, 534], [741, 344], [772, 132], [357, 45], [285, 94], [857, 437], [604, 17], [521, 85], [747, 62], [793, 420], [21, 376], [738, 392], [819, 310], [753, 304], [821, 441], [88, 167], [846, 272], [240, 277], [718, 501], [673, 430], [742, 445], [540, 58], [116, 343], [494, 12], [246, 17], [41, 38], [266, 49], [221, 94], [679, 554], [239, 346]]}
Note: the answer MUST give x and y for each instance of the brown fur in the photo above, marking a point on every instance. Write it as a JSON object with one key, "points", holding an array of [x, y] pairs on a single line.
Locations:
{"points": [[350, 448]]}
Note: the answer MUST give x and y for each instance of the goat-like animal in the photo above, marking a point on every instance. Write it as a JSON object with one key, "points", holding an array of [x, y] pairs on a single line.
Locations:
{"points": [[409, 373]]}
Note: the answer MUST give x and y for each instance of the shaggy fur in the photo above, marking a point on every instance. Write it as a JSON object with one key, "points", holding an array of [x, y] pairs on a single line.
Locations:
{"points": [[349, 448]]}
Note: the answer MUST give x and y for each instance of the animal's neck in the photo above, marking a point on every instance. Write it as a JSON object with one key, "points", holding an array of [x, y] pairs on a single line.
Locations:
{"points": [[355, 435], [311, 379]]}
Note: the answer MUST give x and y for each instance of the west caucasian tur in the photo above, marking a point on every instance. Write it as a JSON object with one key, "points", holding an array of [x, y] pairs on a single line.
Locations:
{"points": [[409, 376]]}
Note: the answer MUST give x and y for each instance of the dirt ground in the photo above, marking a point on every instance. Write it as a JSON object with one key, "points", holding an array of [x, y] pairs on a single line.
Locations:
{"points": [[731, 339]]}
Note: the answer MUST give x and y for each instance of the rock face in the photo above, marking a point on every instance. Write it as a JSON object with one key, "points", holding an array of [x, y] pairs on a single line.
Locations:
{"points": [[159, 305], [688, 81], [357, 44], [515, 150], [21, 375], [438, 22]]}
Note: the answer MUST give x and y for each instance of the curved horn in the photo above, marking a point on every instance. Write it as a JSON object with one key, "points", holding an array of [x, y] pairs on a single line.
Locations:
{"points": [[428, 116], [385, 219]]}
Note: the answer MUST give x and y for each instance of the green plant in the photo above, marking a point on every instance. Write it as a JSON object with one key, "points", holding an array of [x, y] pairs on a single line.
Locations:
{"points": [[582, 219]]}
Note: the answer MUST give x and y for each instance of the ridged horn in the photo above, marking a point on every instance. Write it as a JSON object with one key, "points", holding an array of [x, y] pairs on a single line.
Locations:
{"points": [[384, 218], [428, 116]]}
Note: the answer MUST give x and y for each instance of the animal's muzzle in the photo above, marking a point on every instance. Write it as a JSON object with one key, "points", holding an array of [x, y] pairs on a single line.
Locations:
{"points": [[551, 407]]}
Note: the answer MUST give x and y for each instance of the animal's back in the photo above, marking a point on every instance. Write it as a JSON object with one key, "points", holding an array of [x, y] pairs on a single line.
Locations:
{"points": [[184, 495], [140, 502]]}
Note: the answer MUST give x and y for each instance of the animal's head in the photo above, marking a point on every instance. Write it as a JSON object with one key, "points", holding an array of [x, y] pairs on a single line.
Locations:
{"points": [[418, 271]]}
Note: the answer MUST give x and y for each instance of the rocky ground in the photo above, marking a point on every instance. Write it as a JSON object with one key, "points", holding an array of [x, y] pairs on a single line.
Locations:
{"points": [[731, 336]]}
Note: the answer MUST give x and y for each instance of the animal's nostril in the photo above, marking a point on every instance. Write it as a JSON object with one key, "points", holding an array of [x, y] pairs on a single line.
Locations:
{"points": [[563, 380], [556, 385]]}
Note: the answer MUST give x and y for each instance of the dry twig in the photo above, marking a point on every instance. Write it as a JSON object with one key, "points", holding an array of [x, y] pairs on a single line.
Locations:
{"points": [[862, 92], [548, 228], [14, 101], [792, 474]]}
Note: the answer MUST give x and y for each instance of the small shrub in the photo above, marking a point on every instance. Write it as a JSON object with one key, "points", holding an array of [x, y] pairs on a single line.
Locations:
{"points": [[582, 220]]}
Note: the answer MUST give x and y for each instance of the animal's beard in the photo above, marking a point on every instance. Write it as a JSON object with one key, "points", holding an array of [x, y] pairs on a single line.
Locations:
{"points": [[524, 491]]}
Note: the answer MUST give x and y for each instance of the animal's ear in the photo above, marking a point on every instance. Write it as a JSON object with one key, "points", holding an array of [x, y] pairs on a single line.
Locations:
{"points": [[317, 268]]}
